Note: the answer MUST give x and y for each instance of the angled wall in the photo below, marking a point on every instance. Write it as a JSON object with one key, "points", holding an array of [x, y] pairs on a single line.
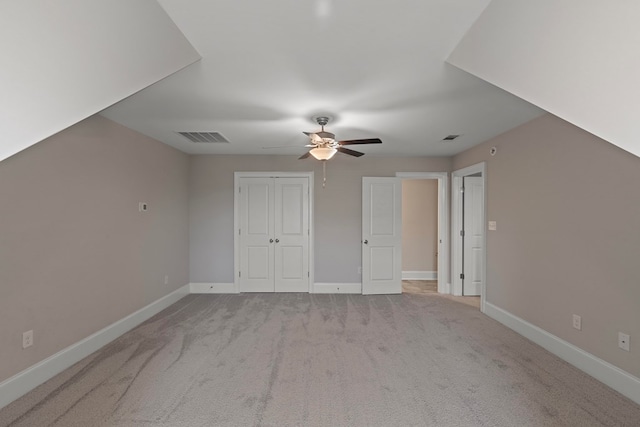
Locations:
{"points": [[567, 206], [75, 253], [63, 61], [576, 59]]}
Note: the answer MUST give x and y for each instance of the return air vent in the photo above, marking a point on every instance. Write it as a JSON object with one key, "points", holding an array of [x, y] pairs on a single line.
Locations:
{"points": [[205, 137], [450, 137]]}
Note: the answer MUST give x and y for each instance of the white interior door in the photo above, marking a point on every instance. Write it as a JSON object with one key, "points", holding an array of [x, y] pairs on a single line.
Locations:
{"points": [[256, 235], [473, 219], [291, 235], [274, 234], [381, 235]]}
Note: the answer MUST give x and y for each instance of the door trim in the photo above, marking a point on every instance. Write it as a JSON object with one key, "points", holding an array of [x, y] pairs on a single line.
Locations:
{"points": [[236, 219], [456, 226], [444, 283]]}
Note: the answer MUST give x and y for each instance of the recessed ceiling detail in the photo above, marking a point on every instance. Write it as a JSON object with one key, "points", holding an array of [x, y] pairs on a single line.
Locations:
{"points": [[205, 137]]}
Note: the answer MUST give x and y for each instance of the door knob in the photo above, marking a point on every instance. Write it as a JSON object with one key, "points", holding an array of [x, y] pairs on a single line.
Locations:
{"points": [[366, 242], [270, 240], [277, 240]]}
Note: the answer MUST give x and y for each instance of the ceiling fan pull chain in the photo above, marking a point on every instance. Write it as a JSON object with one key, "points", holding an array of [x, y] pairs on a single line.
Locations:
{"points": [[324, 173]]}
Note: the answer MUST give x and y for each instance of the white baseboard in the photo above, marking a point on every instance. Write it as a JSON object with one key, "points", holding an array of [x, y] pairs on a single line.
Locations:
{"points": [[419, 275], [213, 288], [25, 381], [337, 288], [619, 380]]}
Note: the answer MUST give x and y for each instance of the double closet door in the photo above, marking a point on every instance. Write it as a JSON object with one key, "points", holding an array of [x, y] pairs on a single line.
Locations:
{"points": [[274, 234]]}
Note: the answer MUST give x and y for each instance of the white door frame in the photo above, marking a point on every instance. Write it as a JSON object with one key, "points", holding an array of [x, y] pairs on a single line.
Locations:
{"points": [[236, 218], [444, 285], [456, 226]]}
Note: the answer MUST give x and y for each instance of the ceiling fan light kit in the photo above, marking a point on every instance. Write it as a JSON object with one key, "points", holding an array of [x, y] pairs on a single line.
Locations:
{"points": [[323, 153]]}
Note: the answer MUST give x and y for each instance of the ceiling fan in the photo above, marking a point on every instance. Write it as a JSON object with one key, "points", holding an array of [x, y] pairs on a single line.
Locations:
{"points": [[323, 144]]}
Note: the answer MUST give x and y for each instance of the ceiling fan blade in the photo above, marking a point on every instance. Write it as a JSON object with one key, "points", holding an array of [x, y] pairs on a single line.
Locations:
{"points": [[305, 155], [361, 141], [350, 152]]}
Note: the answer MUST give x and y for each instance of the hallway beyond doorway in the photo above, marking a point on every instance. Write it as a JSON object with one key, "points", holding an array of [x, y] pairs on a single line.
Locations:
{"points": [[430, 287]]}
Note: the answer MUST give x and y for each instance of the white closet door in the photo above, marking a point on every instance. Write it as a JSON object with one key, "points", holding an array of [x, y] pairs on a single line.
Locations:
{"points": [[274, 234], [291, 235], [381, 235], [256, 235]]}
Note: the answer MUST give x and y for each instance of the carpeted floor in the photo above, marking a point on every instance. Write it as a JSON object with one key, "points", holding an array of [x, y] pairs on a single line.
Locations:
{"points": [[321, 360]]}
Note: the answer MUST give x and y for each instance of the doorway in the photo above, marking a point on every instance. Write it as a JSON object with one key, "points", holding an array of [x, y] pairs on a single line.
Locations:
{"points": [[468, 232], [441, 251], [420, 236], [381, 233]]}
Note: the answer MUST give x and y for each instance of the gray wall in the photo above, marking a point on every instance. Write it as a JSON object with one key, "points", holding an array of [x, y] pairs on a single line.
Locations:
{"points": [[75, 253], [338, 209], [419, 224], [567, 206]]}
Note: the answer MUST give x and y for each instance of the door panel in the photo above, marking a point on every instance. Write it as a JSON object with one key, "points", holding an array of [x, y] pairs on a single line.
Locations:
{"points": [[292, 234], [381, 235], [256, 231], [473, 237]]}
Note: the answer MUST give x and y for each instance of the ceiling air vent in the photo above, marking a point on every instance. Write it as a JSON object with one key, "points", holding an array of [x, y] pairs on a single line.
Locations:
{"points": [[450, 137], [205, 137]]}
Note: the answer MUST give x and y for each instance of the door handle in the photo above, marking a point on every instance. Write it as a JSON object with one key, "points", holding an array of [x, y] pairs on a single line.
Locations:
{"points": [[366, 242], [270, 240], [277, 240]]}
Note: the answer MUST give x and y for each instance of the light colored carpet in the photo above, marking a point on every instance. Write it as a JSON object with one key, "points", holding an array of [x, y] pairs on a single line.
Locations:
{"points": [[321, 360]]}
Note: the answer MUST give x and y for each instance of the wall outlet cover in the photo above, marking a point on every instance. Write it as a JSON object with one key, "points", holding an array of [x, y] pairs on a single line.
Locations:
{"points": [[27, 339], [623, 341], [577, 322]]}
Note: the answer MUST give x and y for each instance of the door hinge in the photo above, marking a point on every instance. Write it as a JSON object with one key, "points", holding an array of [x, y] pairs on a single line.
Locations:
{"points": [[461, 233], [239, 190], [239, 231], [462, 276], [308, 275], [239, 274], [462, 189]]}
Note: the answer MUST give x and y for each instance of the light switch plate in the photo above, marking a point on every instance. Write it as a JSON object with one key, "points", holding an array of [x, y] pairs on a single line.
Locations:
{"points": [[493, 225]]}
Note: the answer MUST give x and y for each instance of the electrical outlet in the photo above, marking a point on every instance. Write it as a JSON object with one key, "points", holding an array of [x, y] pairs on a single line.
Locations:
{"points": [[577, 322], [166, 279], [143, 207], [27, 339], [623, 341]]}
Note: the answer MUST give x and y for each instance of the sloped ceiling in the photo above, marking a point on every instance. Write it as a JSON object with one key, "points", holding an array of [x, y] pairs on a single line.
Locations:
{"points": [[65, 60], [377, 68], [577, 59]]}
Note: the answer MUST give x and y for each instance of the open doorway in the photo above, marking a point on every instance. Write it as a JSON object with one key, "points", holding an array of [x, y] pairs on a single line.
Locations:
{"points": [[382, 236], [420, 235], [468, 233], [425, 243]]}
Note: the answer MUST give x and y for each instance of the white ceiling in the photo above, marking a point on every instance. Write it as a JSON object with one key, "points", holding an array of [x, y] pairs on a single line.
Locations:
{"points": [[377, 68]]}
